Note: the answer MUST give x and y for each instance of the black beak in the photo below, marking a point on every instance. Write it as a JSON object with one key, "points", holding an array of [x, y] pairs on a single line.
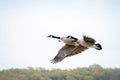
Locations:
{"points": [[49, 36], [52, 36]]}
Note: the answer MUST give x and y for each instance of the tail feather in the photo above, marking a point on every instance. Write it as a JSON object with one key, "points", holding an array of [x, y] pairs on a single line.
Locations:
{"points": [[98, 46]]}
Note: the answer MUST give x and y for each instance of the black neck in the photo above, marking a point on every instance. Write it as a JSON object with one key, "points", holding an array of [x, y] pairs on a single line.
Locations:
{"points": [[54, 36]]}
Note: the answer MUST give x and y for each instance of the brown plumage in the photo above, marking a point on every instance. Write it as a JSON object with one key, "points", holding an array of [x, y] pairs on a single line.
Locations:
{"points": [[66, 51], [71, 50], [89, 39]]}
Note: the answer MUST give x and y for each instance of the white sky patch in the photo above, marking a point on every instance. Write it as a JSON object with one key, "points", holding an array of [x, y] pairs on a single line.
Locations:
{"points": [[23, 31]]}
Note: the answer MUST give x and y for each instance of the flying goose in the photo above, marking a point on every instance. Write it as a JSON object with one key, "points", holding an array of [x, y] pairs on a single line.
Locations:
{"points": [[74, 46]]}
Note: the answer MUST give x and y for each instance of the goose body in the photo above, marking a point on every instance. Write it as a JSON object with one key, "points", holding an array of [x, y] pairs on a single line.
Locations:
{"points": [[74, 46]]}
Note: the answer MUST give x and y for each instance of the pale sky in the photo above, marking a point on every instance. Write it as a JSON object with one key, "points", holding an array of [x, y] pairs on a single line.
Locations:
{"points": [[24, 25]]}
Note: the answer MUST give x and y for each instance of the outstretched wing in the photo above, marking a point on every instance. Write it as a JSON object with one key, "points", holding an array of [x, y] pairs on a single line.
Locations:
{"points": [[77, 50], [63, 52], [89, 40], [67, 50]]}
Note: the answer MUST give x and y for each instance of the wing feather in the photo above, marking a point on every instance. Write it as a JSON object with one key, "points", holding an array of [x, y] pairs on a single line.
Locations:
{"points": [[66, 51], [77, 50], [89, 39], [63, 52]]}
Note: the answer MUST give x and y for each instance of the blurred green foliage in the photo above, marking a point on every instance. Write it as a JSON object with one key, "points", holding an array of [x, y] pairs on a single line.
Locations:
{"points": [[93, 72]]}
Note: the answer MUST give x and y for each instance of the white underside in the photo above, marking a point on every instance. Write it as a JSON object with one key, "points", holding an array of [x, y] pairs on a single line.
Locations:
{"points": [[79, 42], [69, 41], [83, 43]]}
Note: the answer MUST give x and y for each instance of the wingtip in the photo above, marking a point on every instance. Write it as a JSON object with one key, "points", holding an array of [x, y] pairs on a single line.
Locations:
{"points": [[53, 61], [56, 60]]}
